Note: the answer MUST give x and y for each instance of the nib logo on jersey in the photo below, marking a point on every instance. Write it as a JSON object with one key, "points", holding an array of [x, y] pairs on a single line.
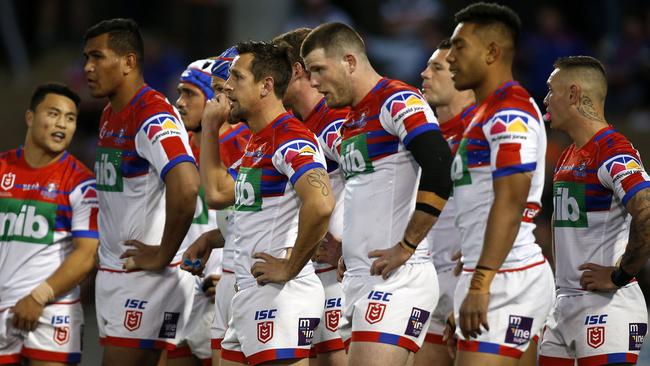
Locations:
{"points": [[518, 331], [354, 156], [107, 170], [248, 193], [27, 221], [569, 202]]}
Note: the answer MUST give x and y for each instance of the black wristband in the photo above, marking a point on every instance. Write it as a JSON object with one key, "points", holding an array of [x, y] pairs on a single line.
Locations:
{"points": [[409, 244], [621, 278]]}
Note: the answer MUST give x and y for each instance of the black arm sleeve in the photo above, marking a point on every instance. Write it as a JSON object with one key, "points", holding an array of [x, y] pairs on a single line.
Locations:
{"points": [[432, 153]]}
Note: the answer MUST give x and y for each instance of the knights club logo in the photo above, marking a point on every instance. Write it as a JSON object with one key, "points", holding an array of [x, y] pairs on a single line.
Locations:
{"points": [[332, 318], [375, 312], [61, 335], [132, 320], [8, 180], [264, 331], [595, 336]]}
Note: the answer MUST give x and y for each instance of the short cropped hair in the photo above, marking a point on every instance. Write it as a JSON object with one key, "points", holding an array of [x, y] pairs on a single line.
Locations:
{"points": [[587, 62], [268, 60], [292, 40], [333, 37], [445, 44], [123, 37], [52, 88], [489, 14]]}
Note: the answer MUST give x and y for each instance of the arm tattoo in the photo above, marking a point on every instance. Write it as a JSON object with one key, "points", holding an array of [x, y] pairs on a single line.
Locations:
{"points": [[587, 109], [637, 251], [317, 178]]}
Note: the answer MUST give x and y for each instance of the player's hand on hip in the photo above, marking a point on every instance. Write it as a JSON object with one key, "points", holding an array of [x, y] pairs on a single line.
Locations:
{"points": [[26, 313], [141, 256], [329, 251], [449, 335], [388, 260], [340, 269], [216, 113], [458, 258], [196, 256], [597, 278], [270, 269], [473, 314], [209, 285]]}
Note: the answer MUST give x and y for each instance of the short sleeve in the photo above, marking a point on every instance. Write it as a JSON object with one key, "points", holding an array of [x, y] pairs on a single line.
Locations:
{"points": [[330, 139], [406, 114], [297, 156], [624, 174], [85, 210], [513, 137], [163, 142]]}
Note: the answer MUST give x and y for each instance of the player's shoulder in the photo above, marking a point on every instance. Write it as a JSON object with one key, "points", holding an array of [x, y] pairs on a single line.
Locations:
{"points": [[290, 128], [9, 156], [152, 104], [513, 97], [612, 144], [78, 172]]}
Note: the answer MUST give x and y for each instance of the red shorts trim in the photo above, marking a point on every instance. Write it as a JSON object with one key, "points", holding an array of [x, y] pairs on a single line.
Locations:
{"points": [[72, 302], [37, 354], [434, 339], [10, 359], [385, 338], [607, 359], [513, 269], [135, 343], [233, 356], [322, 270], [179, 352], [215, 343], [555, 361], [277, 354], [227, 271], [487, 347], [328, 346]]}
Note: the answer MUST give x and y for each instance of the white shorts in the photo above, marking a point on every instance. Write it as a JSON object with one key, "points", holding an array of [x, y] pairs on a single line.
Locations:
{"points": [[224, 293], [395, 311], [326, 335], [143, 309], [447, 283], [595, 328], [520, 301], [197, 330], [274, 322], [57, 338]]}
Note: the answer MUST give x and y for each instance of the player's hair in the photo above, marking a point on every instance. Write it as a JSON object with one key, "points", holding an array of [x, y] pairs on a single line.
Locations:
{"points": [[334, 38], [445, 44], [268, 60], [52, 88], [123, 37], [292, 40], [490, 14], [587, 62]]}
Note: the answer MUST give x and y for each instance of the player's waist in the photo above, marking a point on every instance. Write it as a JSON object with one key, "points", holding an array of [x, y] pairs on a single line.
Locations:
{"points": [[244, 280], [360, 266], [512, 266]]}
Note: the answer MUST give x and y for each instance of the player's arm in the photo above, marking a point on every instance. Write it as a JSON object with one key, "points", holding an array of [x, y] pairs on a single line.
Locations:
{"points": [[196, 255], [317, 203], [181, 187], [637, 251], [431, 152], [69, 274], [218, 183]]}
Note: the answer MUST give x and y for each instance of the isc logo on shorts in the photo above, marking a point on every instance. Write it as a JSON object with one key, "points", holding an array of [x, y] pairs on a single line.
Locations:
{"points": [[332, 318], [133, 318], [61, 335]]}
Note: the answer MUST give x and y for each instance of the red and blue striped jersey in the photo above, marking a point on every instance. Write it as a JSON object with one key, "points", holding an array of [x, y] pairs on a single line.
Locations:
{"points": [[591, 187], [266, 204], [381, 174], [137, 147], [506, 136], [41, 211]]}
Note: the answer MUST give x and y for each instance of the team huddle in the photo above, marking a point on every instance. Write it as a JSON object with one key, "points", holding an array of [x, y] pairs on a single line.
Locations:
{"points": [[296, 207]]}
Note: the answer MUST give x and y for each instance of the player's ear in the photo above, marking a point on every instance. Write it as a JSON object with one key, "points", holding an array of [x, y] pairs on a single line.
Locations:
{"points": [[493, 52], [29, 117], [297, 70], [267, 87], [130, 63], [574, 94], [350, 63]]}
